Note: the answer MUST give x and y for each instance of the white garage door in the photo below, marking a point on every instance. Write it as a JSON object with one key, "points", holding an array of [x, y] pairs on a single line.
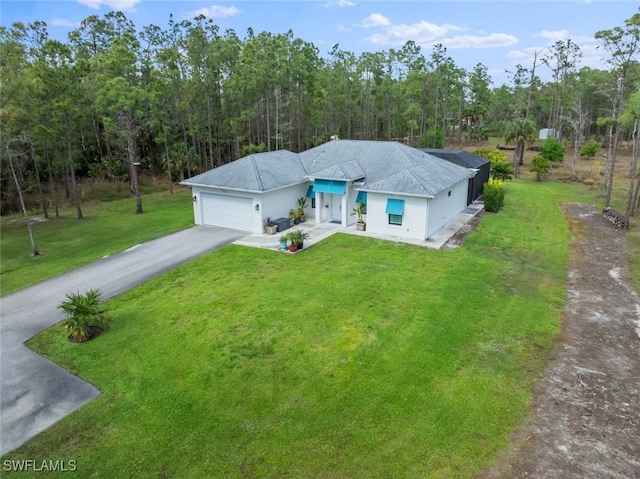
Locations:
{"points": [[228, 211]]}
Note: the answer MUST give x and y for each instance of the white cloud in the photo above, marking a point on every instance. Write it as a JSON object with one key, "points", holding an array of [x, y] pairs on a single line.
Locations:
{"points": [[422, 33], [342, 28], [494, 40], [375, 20], [216, 11], [121, 5], [63, 22], [520, 54], [339, 3], [552, 36]]}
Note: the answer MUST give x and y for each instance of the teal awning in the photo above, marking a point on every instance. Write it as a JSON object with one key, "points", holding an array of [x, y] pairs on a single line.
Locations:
{"points": [[330, 186], [361, 198], [310, 192], [395, 207]]}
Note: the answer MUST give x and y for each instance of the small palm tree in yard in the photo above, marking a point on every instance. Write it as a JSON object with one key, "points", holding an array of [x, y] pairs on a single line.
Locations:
{"points": [[85, 315], [520, 132]]}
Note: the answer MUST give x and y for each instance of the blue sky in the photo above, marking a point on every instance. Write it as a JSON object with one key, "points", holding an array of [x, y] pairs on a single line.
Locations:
{"points": [[499, 34]]}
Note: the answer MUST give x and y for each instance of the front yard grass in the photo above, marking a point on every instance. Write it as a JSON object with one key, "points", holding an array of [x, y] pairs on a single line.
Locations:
{"points": [[358, 358], [66, 243]]}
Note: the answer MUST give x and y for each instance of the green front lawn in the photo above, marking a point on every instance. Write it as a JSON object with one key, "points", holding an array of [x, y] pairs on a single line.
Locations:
{"points": [[66, 243], [357, 358]]}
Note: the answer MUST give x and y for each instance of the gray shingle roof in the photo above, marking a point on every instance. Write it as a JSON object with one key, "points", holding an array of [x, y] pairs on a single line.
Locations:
{"points": [[257, 172], [459, 157], [383, 165]]}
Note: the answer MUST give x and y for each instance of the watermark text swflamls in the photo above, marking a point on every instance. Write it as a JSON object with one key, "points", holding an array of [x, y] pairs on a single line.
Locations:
{"points": [[52, 465]]}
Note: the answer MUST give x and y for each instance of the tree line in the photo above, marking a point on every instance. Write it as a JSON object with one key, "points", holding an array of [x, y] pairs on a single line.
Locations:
{"points": [[185, 98]]}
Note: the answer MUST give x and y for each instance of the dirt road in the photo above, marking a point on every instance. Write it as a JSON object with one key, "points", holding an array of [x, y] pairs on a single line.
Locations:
{"points": [[584, 420]]}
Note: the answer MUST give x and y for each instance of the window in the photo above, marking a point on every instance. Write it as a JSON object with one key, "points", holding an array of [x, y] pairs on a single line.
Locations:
{"points": [[395, 210], [313, 202], [395, 220], [362, 198]]}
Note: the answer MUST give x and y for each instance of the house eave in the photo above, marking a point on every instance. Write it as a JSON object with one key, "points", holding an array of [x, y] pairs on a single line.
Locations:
{"points": [[397, 193], [313, 178], [240, 190]]}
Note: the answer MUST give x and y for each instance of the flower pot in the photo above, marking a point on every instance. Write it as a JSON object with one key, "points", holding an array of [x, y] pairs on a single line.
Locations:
{"points": [[300, 245], [303, 218], [296, 221], [361, 226], [271, 230], [283, 245], [293, 248]]}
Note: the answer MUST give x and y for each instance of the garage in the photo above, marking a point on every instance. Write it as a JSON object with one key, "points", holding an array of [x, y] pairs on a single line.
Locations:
{"points": [[227, 211]]}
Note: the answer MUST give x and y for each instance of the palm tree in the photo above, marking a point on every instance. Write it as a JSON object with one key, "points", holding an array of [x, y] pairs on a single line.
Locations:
{"points": [[82, 311], [520, 132]]}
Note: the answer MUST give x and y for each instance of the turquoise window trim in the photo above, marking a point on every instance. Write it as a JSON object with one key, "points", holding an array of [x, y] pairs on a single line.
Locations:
{"points": [[362, 197], [395, 207]]}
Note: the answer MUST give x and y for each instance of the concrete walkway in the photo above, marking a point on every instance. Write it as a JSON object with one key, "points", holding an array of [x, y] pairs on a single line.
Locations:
{"points": [[34, 392], [318, 232]]}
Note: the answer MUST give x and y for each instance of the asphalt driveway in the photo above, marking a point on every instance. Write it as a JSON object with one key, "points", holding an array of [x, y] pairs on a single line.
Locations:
{"points": [[34, 392]]}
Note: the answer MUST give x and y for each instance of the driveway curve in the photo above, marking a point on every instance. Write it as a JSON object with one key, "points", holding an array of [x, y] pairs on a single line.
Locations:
{"points": [[34, 392]]}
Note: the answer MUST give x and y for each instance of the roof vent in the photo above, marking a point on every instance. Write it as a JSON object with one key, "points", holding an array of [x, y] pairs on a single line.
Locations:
{"points": [[334, 137]]}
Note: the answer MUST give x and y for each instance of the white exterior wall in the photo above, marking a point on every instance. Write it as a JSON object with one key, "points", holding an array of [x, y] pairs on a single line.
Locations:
{"points": [[273, 203], [414, 219], [351, 204], [277, 203], [443, 208]]}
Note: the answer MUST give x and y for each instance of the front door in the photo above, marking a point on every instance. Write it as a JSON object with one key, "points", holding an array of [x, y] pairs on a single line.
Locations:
{"points": [[336, 208]]}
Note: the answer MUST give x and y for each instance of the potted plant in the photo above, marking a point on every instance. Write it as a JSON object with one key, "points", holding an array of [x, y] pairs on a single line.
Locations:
{"points": [[283, 242], [292, 217], [302, 204], [359, 211], [298, 236], [85, 315], [270, 227], [292, 236]]}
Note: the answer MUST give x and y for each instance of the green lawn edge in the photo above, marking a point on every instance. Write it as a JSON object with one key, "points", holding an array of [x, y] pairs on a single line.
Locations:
{"points": [[67, 243]]}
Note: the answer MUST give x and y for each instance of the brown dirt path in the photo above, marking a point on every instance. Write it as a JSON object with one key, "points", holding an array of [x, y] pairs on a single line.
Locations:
{"points": [[584, 420]]}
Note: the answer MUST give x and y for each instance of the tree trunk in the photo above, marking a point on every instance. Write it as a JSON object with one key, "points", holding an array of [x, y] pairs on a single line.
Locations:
{"points": [[131, 149], [43, 201], [34, 249], [51, 184], [166, 151], [633, 171], [72, 172], [268, 115]]}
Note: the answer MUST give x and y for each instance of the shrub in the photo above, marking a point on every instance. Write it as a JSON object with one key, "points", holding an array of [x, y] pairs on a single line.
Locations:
{"points": [[493, 195], [552, 150], [501, 168], [590, 150], [540, 166], [82, 311], [491, 154]]}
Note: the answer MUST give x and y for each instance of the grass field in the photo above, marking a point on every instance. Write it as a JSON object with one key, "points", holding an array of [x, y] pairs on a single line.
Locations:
{"points": [[357, 358], [67, 243]]}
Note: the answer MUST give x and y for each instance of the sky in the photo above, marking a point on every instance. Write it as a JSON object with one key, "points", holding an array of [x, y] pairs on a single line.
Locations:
{"points": [[499, 34]]}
